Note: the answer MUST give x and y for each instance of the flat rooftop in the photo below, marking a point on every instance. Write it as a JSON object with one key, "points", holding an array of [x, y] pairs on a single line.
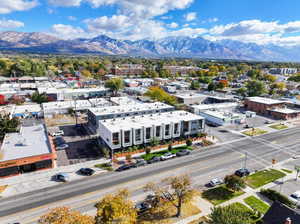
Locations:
{"points": [[69, 90], [27, 108], [124, 100], [129, 108], [31, 141], [222, 114], [285, 110], [188, 95], [67, 104], [214, 106], [264, 100], [148, 120]]}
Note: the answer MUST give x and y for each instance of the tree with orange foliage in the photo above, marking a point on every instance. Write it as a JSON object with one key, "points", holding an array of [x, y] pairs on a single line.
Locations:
{"points": [[64, 215]]}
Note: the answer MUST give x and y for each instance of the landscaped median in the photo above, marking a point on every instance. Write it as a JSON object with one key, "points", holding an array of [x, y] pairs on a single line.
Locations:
{"points": [[104, 166], [220, 194], [263, 177], [257, 204], [254, 132], [160, 153], [278, 126]]}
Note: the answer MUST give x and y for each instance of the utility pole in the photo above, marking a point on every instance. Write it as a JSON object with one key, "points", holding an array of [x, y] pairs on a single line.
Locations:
{"points": [[245, 161]]}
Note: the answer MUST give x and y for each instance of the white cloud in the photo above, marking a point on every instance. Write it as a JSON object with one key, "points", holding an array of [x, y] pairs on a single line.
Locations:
{"points": [[213, 20], [108, 23], [10, 24], [67, 31], [8, 6], [190, 16], [140, 8], [246, 27], [173, 25], [72, 18], [189, 32], [65, 3]]}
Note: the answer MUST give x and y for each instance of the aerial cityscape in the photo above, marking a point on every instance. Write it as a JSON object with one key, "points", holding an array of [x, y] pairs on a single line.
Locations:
{"points": [[141, 112]]}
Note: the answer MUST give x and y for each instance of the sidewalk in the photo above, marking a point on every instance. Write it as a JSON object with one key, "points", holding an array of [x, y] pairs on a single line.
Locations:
{"points": [[205, 206], [41, 179]]}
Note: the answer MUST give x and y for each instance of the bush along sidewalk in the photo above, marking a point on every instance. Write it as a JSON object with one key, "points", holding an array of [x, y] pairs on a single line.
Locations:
{"points": [[276, 196]]}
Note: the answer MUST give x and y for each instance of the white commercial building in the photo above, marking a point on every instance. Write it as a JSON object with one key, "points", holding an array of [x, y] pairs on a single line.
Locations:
{"points": [[124, 100], [26, 110], [220, 118], [196, 109], [97, 114], [70, 94], [137, 130]]}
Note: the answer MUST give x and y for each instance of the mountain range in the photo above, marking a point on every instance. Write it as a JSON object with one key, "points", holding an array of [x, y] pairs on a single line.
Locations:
{"points": [[186, 47]]}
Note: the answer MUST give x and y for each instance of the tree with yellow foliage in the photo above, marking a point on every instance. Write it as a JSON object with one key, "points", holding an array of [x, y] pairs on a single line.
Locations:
{"points": [[157, 93], [116, 208], [66, 216], [175, 190]]}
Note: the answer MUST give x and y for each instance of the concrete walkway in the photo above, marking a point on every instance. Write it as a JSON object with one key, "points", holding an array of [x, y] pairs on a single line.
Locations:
{"points": [[41, 179], [206, 206]]}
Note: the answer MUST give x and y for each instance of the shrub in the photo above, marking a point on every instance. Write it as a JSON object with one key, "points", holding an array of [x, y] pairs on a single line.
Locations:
{"points": [[189, 142], [207, 142], [128, 157], [148, 150], [234, 182], [170, 147], [201, 135], [276, 196]]}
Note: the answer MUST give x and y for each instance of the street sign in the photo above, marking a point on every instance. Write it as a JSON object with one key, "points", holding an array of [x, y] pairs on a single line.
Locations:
{"points": [[274, 161]]}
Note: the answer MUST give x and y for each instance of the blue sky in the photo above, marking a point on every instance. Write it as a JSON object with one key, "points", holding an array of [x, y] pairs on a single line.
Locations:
{"points": [[258, 21]]}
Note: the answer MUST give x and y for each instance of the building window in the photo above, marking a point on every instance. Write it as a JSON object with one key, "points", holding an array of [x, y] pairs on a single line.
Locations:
{"points": [[176, 128], [157, 132], [127, 137], [185, 126], [116, 138], [167, 130], [138, 136], [148, 133]]}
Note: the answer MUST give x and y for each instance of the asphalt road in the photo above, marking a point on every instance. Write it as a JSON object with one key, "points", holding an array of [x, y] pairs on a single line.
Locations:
{"points": [[217, 161]]}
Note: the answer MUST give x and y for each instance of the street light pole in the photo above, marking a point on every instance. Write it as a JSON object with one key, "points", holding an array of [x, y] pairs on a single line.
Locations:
{"points": [[245, 162]]}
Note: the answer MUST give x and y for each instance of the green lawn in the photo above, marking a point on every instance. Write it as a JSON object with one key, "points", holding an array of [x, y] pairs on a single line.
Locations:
{"points": [[220, 194], [278, 126], [257, 204], [263, 177], [104, 166], [254, 132], [287, 171], [160, 153]]}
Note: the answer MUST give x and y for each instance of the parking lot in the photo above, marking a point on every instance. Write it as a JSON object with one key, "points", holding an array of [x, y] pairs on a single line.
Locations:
{"points": [[82, 147]]}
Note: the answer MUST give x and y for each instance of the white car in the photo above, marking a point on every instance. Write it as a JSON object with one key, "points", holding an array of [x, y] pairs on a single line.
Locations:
{"points": [[295, 196], [214, 182], [167, 156], [63, 146], [57, 133]]}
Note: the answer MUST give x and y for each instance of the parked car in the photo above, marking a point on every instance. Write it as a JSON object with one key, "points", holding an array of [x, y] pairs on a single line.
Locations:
{"points": [[59, 141], [295, 197], [139, 163], [142, 207], [268, 122], [183, 152], [242, 172], [214, 182], [124, 167], [167, 156], [248, 126], [57, 133], [155, 159], [64, 177], [62, 147], [86, 171]]}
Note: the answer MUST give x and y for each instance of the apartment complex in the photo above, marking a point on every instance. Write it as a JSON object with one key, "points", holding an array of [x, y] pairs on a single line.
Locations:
{"points": [[136, 130], [283, 71], [183, 70], [128, 69], [125, 110]]}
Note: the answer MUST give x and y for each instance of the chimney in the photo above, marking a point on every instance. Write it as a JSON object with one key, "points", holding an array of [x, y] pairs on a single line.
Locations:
{"points": [[288, 221]]}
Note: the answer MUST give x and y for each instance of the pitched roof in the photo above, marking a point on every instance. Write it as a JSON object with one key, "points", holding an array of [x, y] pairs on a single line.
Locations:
{"points": [[278, 213]]}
